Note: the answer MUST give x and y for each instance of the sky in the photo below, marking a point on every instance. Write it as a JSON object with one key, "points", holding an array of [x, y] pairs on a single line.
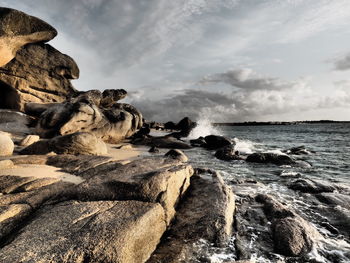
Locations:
{"points": [[222, 60]]}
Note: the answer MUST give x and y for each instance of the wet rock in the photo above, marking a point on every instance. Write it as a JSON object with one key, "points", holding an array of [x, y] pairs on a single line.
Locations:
{"points": [[177, 155], [335, 199], [278, 159], [216, 142], [300, 150], [29, 140], [169, 125], [206, 213], [185, 126], [199, 142], [153, 149], [39, 73], [162, 142], [76, 143], [292, 235], [311, 186], [18, 29], [227, 153], [108, 231], [6, 145]]}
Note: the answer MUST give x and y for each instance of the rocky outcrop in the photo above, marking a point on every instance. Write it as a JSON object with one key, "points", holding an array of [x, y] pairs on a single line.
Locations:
{"points": [[228, 153], [39, 73], [162, 142], [18, 29], [87, 113], [215, 142], [205, 214], [278, 159], [76, 143], [108, 231], [311, 186], [292, 235], [6, 145]]}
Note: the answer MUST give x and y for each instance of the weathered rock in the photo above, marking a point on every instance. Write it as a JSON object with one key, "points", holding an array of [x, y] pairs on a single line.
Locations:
{"points": [[199, 142], [278, 159], [161, 180], [292, 235], [153, 149], [300, 150], [39, 73], [11, 216], [177, 155], [29, 139], [18, 29], [108, 231], [81, 114], [162, 142], [6, 145], [6, 164], [111, 96], [311, 186], [76, 143], [216, 142], [206, 213], [227, 153], [335, 199], [7, 116]]}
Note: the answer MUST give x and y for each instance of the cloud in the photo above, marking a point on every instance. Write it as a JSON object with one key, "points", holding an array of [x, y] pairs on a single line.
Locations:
{"points": [[342, 63], [249, 80]]}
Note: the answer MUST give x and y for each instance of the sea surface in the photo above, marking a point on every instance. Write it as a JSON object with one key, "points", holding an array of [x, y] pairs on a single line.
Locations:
{"points": [[329, 146]]}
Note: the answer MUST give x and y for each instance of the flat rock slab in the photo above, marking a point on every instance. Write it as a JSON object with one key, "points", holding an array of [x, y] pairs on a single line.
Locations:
{"points": [[156, 180], [206, 213], [108, 231]]}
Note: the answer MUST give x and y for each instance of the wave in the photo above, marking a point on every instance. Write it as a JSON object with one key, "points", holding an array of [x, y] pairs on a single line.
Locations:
{"points": [[204, 128]]}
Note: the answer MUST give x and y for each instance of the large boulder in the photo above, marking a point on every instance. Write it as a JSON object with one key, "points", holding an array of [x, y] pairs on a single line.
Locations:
{"points": [[102, 231], [76, 143], [312, 186], [83, 113], [18, 29], [162, 142], [228, 153], [39, 73], [6, 145], [216, 141], [278, 159]]}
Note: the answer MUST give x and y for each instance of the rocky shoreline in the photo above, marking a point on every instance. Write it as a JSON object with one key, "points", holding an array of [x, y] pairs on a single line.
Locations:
{"points": [[83, 180]]}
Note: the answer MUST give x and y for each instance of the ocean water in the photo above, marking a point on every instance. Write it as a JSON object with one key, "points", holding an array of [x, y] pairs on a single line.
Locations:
{"points": [[330, 160]]}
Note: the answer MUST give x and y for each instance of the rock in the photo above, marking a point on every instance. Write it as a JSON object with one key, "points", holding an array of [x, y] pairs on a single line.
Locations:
{"points": [[177, 155], [36, 109], [153, 149], [76, 143], [300, 150], [11, 216], [111, 96], [199, 142], [311, 186], [162, 142], [185, 127], [227, 153], [335, 199], [205, 214], [6, 145], [18, 29], [278, 159], [169, 125], [6, 164], [81, 114], [216, 142], [7, 116], [29, 139], [292, 235], [39, 73], [108, 231], [156, 180]]}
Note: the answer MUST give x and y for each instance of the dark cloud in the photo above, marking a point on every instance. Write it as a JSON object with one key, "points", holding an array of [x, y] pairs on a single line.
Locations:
{"points": [[249, 80], [342, 63]]}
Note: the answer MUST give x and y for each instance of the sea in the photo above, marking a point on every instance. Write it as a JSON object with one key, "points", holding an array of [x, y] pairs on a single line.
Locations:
{"points": [[329, 155]]}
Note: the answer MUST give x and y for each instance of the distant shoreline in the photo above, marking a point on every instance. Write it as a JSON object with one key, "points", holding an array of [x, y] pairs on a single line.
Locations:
{"points": [[265, 123]]}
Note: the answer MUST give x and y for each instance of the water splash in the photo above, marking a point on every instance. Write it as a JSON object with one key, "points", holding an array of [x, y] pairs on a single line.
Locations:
{"points": [[244, 146], [203, 128]]}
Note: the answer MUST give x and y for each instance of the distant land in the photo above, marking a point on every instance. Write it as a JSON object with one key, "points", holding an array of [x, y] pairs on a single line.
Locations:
{"points": [[261, 123]]}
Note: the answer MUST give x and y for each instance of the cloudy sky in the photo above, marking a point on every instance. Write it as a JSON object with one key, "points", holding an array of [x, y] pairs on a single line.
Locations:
{"points": [[227, 60]]}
